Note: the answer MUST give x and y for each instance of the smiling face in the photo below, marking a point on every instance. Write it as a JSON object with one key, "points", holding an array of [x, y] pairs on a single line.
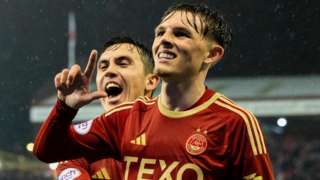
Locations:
{"points": [[120, 72], [178, 49]]}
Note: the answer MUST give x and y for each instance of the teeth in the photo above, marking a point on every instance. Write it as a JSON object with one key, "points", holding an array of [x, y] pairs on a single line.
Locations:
{"points": [[166, 55], [110, 85]]}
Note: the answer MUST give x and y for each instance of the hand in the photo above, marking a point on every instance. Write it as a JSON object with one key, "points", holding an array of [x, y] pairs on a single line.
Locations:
{"points": [[73, 86]]}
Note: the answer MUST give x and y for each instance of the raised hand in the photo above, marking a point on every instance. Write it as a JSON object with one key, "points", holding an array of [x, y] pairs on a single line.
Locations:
{"points": [[73, 85]]}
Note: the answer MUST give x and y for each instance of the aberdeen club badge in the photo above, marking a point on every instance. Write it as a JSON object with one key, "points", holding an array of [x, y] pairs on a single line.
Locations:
{"points": [[196, 143]]}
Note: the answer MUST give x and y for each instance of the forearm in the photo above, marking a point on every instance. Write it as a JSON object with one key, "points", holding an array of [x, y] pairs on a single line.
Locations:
{"points": [[53, 141]]}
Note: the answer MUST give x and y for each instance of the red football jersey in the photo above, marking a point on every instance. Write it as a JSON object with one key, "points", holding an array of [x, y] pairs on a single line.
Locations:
{"points": [[215, 139]]}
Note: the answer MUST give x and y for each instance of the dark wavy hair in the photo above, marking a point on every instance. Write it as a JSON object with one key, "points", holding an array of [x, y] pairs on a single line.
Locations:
{"points": [[213, 24], [144, 52]]}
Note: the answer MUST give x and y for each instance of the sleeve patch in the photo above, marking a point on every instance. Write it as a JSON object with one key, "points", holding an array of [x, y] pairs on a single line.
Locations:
{"points": [[83, 128], [69, 174]]}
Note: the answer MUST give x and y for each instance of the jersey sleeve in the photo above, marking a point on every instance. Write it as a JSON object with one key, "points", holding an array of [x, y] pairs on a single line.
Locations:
{"points": [[59, 140], [74, 169], [249, 154]]}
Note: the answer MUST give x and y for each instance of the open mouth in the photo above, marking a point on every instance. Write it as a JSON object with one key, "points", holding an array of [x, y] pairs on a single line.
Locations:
{"points": [[166, 55], [113, 89]]}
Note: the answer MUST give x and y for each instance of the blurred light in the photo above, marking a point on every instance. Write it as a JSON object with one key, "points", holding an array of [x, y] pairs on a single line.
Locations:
{"points": [[0, 164], [29, 147], [53, 166], [282, 122]]}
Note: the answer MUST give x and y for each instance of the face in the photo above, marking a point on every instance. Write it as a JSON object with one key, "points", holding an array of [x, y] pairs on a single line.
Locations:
{"points": [[178, 49], [120, 72]]}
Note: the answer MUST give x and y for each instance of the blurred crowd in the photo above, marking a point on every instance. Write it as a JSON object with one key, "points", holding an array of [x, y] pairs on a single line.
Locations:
{"points": [[24, 175], [294, 157]]}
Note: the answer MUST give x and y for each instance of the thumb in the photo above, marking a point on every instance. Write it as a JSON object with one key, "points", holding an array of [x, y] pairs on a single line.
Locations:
{"points": [[97, 94]]}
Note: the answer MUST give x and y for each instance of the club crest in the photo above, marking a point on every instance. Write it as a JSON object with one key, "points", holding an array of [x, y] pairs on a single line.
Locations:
{"points": [[196, 144]]}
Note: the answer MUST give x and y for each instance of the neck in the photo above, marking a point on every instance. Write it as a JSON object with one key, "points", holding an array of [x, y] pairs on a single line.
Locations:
{"points": [[178, 96]]}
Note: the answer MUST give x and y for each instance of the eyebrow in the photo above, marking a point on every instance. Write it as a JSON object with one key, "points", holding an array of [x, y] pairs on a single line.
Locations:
{"points": [[102, 60], [117, 58], [182, 29], [123, 57], [179, 28], [158, 28]]}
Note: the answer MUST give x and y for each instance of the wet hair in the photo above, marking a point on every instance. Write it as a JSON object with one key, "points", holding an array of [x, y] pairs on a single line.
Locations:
{"points": [[213, 24], [145, 54]]}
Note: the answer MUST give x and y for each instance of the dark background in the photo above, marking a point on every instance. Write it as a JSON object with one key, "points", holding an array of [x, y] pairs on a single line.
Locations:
{"points": [[270, 38]]}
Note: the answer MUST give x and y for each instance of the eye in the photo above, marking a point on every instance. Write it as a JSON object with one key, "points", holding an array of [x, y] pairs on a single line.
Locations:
{"points": [[181, 34], [103, 65], [123, 61], [159, 33]]}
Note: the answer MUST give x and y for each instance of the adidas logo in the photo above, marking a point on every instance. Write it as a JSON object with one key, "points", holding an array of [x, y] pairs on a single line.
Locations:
{"points": [[140, 140], [101, 174], [253, 177]]}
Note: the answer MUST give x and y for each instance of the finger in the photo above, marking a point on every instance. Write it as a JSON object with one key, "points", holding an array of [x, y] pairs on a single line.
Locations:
{"points": [[98, 94], [73, 73], [95, 95], [64, 76], [91, 64], [57, 81]]}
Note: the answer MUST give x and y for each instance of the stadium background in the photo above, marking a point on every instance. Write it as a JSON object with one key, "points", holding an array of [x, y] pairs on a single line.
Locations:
{"points": [[273, 41]]}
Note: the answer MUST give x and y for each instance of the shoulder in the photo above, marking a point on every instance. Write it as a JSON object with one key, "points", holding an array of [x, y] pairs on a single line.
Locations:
{"points": [[233, 110], [244, 122], [142, 103]]}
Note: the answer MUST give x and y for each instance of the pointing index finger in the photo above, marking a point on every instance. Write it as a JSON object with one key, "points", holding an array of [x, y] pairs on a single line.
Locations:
{"points": [[91, 64]]}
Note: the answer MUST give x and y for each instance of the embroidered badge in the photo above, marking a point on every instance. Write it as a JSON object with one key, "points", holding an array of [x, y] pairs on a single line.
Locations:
{"points": [[69, 174], [83, 128], [196, 143]]}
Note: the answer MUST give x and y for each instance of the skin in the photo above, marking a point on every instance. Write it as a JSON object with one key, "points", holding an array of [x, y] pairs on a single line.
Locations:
{"points": [[183, 75], [182, 60], [121, 65]]}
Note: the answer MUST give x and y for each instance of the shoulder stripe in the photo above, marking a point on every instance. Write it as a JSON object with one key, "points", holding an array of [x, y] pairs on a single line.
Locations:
{"points": [[254, 124], [128, 105], [253, 146], [117, 110], [250, 122], [264, 149]]}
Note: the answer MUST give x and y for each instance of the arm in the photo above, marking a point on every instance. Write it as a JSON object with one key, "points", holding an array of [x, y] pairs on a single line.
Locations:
{"points": [[56, 139], [59, 140]]}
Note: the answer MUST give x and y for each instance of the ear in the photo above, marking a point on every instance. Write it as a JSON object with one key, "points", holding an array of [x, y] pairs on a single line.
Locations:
{"points": [[152, 82], [216, 53]]}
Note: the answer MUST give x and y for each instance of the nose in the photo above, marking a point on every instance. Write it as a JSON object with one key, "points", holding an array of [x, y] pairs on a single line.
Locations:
{"points": [[111, 71], [166, 40]]}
